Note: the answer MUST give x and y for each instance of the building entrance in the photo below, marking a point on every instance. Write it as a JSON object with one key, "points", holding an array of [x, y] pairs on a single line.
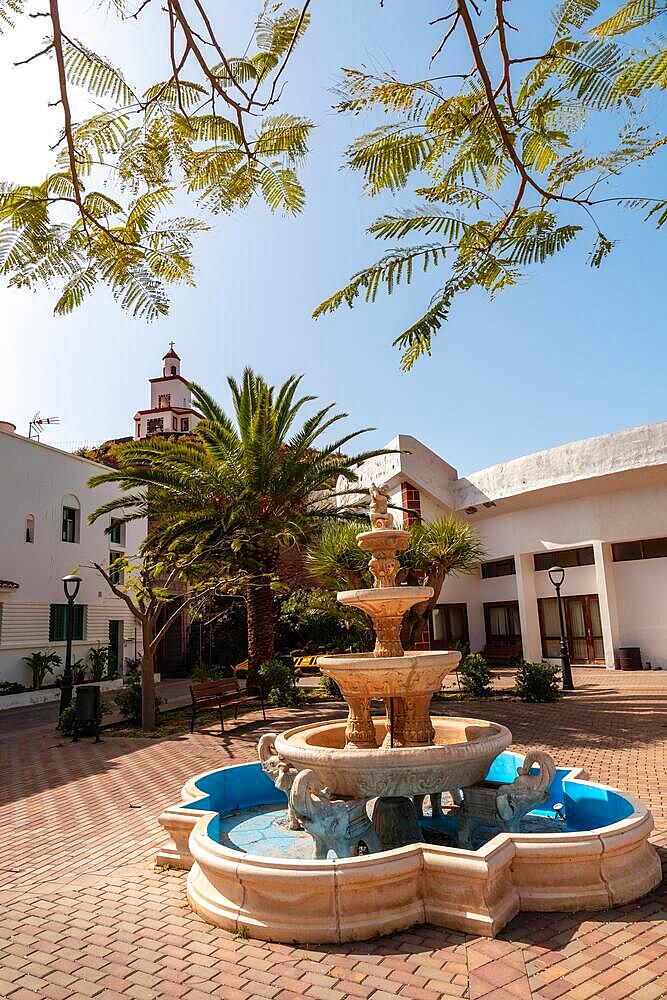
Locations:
{"points": [[582, 624]]}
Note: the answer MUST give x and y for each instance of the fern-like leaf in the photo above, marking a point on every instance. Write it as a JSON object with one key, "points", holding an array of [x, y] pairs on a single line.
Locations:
{"points": [[86, 68]]}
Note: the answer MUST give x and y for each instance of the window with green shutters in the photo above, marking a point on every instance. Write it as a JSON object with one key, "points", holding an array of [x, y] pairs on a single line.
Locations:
{"points": [[58, 622]]}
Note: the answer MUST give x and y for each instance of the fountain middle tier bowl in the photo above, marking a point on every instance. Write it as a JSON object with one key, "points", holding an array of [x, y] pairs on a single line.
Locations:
{"points": [[385, 602], [364, 675], [461, 755]]}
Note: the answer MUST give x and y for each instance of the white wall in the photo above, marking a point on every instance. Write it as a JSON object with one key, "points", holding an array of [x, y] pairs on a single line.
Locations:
{"points": [[34, 478], [641, 594]]}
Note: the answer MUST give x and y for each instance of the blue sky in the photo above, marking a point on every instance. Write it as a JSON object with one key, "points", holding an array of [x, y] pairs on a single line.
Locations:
{"points": [[568, 354]]}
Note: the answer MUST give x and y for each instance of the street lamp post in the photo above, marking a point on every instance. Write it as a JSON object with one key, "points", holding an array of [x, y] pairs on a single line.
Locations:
{"points": [[71, 585], [557, 575]]}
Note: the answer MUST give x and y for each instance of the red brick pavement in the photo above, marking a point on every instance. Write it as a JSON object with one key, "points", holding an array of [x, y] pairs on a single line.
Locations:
{"points": [[84, 913]]}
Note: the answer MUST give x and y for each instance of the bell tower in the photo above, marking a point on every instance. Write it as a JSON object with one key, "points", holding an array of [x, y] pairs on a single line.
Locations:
{"points": [[170, 410], [171, 363]]}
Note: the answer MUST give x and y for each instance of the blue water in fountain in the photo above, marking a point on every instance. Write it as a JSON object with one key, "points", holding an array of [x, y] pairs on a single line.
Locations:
{"points": [[251, 812]]}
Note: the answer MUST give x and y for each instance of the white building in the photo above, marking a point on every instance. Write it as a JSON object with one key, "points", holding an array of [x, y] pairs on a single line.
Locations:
{"points": [[597, 507], [45, 501], [171, 402]]}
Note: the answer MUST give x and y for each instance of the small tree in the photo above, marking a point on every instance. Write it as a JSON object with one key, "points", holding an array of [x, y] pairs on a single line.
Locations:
{"points": [[443, 547], [147, 588]]}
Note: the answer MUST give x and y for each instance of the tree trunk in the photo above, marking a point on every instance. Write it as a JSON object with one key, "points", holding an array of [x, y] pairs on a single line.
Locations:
{"points": [[261, 640], [417, 617], [148, 679]]}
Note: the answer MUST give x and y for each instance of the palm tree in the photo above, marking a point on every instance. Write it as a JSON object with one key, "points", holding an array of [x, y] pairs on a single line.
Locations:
{"points": [[437, 550], [238, 489], [443, 547]]}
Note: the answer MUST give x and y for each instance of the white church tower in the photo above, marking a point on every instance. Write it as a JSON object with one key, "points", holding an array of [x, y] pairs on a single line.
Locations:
{"points": [[171, 402]]}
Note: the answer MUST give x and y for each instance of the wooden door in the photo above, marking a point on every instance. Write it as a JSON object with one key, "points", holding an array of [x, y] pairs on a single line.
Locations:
{"points": [[584, 629]]}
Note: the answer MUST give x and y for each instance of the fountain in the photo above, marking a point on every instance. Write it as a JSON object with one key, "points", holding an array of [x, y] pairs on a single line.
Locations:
{"points": [[325, 839], [406, 753]]}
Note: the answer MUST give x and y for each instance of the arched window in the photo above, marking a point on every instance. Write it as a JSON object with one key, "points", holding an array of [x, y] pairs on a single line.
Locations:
{"points": [[71, 520], [30, 528], [173, 369]]}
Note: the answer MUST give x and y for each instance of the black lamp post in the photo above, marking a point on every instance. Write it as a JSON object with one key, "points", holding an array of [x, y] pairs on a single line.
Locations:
{"points": [[557, 575], [71, 584]]}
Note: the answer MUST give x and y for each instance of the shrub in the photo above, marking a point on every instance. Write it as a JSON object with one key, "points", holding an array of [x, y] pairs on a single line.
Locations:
{"points": [[97, 657], [537, 682], [41, 664], [330, 688], [475, 676], [314, 621], [66, 721], [209, 672], [11, 687], [279, 684], [128, 698]]}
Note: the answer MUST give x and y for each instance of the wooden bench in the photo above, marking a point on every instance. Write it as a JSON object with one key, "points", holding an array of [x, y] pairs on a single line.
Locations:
{"points": [[502, 652], [221, 694]]}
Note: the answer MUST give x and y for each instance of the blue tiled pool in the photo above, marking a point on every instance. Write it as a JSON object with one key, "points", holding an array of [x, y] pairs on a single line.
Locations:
{"points": [[251, 812]]}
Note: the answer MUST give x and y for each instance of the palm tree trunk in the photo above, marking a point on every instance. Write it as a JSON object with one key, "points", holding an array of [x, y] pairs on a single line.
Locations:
{"points": [[261, 636], [148, 678]]}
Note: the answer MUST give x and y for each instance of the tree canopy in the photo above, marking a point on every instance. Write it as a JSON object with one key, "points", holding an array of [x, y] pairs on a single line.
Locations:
{"points": [[212, 131], [510, 153], [502, 152], [239, 489]]}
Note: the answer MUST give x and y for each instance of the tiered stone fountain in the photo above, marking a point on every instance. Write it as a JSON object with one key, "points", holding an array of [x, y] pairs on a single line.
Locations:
{"points": [[406, 753], [323, 839]]}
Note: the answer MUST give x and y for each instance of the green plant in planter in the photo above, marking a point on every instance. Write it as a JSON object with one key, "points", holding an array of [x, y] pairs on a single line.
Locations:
{"points": [[537, 682], [475, 676], [98, 657], [41, 664], [11, 687], [79, 671], [278, 680]]}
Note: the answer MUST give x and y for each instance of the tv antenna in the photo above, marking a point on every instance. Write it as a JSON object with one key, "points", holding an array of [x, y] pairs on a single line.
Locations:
{"points": [[37, 424]]}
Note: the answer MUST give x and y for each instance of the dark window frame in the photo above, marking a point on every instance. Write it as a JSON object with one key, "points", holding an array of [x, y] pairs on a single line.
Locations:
{"points": [[509, 639], [115, 572], [449, 642], [583, 555], [68, 522], [116, 531], [490, 570], [642, 553]]}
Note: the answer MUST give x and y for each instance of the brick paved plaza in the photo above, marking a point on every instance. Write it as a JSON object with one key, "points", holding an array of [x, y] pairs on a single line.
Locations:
{"points": [[84, 913]]}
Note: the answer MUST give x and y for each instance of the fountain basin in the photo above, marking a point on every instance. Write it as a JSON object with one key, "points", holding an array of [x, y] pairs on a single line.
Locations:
{"points": [[461, 755], [601, 858]]}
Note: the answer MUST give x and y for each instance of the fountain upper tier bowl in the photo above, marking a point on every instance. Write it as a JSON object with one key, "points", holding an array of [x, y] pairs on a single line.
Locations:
{"points": [[416, 673], [385, 601], [460, 755]]}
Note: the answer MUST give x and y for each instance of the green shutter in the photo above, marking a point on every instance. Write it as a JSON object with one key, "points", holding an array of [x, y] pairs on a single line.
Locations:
{"points": [[58, 622]]}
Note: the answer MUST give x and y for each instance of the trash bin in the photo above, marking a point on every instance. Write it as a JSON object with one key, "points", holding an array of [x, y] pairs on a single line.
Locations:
{"points": [[87, 711], [630, 658]]}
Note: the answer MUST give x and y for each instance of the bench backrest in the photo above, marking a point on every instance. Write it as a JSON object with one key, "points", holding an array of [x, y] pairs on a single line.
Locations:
{"points": [[224, 688]]}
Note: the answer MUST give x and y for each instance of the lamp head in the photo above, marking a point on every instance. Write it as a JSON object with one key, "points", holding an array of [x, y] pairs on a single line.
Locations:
{"points": [[71, 584], [556, 575]]}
